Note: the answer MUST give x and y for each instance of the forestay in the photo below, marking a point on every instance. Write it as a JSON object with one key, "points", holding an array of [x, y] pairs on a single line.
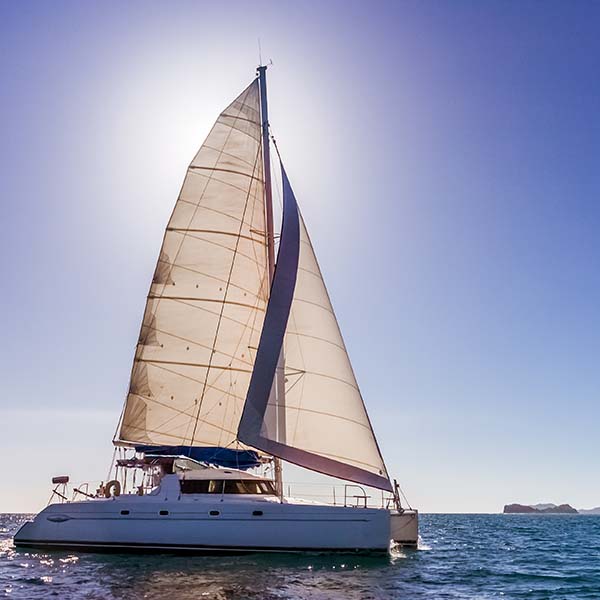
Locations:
{"points": [[206, 304]]}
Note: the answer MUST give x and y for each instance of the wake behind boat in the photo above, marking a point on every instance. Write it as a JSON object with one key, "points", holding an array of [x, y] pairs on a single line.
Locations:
{"points": [[240, 365]]}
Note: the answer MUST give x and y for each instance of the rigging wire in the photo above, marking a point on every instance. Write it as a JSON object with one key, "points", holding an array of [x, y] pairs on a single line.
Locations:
{"points": [[274, 170], [112, 463]]}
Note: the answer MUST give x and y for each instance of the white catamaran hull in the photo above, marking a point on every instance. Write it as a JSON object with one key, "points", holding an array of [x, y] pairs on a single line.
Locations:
{"points": [[131, 523]]}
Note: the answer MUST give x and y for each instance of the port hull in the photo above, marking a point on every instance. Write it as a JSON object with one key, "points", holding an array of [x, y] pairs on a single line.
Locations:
{"points": [[145, 524]]}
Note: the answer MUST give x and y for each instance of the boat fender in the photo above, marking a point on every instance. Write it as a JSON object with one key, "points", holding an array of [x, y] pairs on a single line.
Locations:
{"points": [[112, 489]]}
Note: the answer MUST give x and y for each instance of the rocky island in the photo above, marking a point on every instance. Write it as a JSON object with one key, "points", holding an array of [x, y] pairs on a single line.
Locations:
{"points": [[540, 509]]}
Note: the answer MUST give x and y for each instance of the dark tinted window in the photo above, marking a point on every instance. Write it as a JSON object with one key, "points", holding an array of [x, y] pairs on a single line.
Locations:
{"points": [[232, 486], [201, 486], [248, 486]]}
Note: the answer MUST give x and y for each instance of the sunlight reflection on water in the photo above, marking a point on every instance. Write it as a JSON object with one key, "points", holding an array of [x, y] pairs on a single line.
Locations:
{"points": [[459, 556]]}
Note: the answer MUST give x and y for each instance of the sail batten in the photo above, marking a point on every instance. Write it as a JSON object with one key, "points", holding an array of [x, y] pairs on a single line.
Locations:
{"points": [[208, 296]]}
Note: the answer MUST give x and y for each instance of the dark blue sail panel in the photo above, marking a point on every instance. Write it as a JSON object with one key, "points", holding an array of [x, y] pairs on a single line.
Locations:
{"points": [[222, 457], [251, 429], [276, 318]]}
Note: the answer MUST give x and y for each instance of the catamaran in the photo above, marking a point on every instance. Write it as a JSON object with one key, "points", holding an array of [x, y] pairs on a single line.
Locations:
{"points": [[240, 366]]}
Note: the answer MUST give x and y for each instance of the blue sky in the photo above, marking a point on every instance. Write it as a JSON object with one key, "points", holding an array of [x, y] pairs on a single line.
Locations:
{"points": [[445, 155]]}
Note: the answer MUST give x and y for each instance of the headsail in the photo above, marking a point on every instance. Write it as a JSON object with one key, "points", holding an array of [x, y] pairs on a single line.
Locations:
{"points": [[327, 428], [206, 304]]}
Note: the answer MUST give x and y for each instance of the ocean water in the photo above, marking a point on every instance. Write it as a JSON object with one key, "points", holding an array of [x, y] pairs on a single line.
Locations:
{"points": [[461, 556]]}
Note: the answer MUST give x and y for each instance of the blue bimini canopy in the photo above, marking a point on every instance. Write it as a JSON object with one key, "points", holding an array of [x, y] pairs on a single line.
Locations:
{"points": [[222, 457]]}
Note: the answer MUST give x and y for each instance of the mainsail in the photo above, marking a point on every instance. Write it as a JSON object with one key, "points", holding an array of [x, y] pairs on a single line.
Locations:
{"points": [[206, 304], [325, 426]]}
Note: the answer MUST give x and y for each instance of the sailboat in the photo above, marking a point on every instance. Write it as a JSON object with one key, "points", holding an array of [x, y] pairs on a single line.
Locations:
{"points": [[240, 367]]}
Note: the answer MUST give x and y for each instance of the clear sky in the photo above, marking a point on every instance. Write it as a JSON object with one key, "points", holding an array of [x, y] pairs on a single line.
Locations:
{"points": [[446, 158]]}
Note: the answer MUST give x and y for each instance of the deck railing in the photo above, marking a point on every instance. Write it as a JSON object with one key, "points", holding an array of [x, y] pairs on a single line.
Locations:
{"points": [[349, 495]]}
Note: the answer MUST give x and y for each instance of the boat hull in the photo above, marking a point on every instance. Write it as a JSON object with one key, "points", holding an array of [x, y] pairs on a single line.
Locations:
{"points": [[140, 524]]}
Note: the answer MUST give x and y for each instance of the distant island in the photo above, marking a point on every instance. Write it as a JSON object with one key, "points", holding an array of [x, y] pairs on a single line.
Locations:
{"points": [[589, 511], [548, 509]]}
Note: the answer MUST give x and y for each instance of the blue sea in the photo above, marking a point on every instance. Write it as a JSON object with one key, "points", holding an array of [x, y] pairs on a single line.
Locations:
{"points": [[460, 556]]}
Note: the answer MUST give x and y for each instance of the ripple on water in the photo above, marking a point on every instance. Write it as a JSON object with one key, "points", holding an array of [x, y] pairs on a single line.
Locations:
{"points": [[459, 557]]}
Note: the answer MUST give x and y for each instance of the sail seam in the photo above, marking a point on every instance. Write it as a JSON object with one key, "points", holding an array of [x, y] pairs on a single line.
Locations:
{"points": [[212, 177], [210, 312], [314, 337], [315, 304], [213, 243], [238, 118], [224, 247], [326, 414], [195, 271], [219, 170], [210, 209], [210, 386], [192, 299], [235, 125], [174, 436], [353, 460], [204, 346], [195, 365], [333, 377], [215, 231], [247, 162], [305, 270]]}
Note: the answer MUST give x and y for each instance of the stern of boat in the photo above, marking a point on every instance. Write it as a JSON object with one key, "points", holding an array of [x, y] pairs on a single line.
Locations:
{"points": [[404, 527]]}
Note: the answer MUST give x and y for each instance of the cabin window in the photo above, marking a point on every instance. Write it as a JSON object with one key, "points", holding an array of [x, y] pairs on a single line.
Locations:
{"points": [[229, 486], [248, 486], [201, 486]]}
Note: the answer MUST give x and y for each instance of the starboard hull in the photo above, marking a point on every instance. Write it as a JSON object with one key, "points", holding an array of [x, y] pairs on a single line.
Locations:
{"points": [[404, 526]]}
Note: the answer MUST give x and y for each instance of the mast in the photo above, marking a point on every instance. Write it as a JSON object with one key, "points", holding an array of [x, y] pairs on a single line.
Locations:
{"points": [[262, 78], [279, 381]]}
